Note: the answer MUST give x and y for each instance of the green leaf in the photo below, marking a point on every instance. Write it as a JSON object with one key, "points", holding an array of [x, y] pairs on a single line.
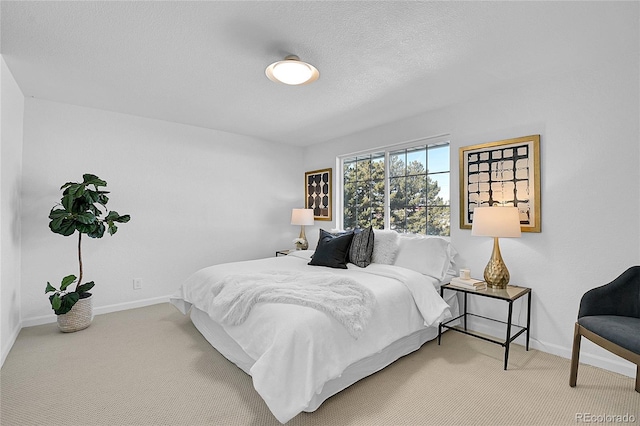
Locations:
{"points": [[112, 228], [55, 223], [57, 213], [68, 184], [49, 288], [112, 216], [67, 201], [115, 217], [86, 218], [56, 302], [67, 302], [90, 179], [66, 227], [124, 218], [97, 231], [85, 287], [66, 281], [79, 191]]}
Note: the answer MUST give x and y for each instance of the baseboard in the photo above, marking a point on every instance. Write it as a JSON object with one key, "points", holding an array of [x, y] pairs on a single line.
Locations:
{"points": [[615, 363], [12, 340], [47, 319]]}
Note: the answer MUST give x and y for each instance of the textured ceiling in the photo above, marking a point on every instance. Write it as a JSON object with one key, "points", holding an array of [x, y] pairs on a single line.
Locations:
{"points": [[202, 63]]}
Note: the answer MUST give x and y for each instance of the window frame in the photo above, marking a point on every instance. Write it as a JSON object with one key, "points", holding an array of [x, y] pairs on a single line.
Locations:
{"points": [[428, 142]]}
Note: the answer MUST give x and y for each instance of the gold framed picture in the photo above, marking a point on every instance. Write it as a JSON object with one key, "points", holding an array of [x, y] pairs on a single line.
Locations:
{"points": [[317, 187], [505, 172]]}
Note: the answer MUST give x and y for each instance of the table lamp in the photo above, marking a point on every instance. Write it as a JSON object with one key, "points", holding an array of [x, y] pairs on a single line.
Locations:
{"points": [[302, 217], [496, 222]]}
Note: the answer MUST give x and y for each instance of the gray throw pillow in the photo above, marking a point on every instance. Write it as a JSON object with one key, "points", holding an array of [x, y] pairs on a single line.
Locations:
{"points": [[361, 249]]}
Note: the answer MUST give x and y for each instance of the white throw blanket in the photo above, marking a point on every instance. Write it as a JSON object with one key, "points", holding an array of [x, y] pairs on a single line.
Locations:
{"points": [[341, 297]]}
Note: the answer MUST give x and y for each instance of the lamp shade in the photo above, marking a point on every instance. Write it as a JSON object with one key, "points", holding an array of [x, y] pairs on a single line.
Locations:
{"points": [[302, 217], [496, 222]]}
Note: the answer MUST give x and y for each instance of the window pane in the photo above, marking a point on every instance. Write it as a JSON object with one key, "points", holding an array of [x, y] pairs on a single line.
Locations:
{"points": [[377, 220], [417, 161], [377, 167], [349, 171], [438, 158], [417, 220], [438, 221], [349, 202], [363, 196], [438, 187], [397, 192], [362, 169], [397, 220], [377, 204], [416, 191], [397, 166]]}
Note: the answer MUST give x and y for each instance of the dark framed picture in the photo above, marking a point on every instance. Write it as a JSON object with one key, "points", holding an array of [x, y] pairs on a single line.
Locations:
{"points": [[317, 187], [505, 172]]}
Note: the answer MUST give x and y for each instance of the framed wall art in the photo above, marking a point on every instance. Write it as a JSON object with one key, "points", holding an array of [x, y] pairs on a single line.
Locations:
{"points": [[317, 187], [505, 172]]}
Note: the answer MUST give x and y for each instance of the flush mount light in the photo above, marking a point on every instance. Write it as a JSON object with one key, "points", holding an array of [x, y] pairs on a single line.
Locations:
{"points": [[292, 71]]}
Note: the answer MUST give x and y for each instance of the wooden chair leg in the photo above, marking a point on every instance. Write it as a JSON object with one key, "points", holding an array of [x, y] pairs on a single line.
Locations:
{"points": [[575, 357], [638, 378]]}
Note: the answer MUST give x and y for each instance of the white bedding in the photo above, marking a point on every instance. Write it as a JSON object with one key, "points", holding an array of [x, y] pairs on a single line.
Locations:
{"points": [[294, 359]]}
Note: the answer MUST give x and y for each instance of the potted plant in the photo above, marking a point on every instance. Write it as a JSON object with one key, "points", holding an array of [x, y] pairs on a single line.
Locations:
{"points": [[80, 209]]}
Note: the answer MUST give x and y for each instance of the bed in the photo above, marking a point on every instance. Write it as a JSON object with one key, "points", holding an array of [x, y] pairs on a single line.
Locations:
{"points": [[304, 332]]}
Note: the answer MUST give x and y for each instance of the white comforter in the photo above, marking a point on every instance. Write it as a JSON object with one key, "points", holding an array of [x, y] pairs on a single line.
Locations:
{"points": [[298, 349]]}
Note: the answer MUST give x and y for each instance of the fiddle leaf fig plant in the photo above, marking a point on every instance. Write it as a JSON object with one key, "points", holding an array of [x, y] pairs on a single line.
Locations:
{"points": [[80, 209]]}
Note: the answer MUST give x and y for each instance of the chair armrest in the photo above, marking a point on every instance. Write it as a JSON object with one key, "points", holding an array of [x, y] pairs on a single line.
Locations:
{"points": [[619, 297]]}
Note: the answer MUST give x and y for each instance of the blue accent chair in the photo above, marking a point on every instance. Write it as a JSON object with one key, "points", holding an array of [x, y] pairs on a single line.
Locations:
{"points": [[609, 316]]}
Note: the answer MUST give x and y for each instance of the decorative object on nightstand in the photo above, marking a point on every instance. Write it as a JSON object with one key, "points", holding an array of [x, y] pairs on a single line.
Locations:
{"points": [[471, 284], [302, 217], [496, 221]]}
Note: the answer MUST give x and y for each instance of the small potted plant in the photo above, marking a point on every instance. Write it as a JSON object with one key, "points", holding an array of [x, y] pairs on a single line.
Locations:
{"points": [[80, 209]]}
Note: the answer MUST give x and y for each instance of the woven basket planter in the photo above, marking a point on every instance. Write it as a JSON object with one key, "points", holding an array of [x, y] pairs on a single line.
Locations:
{"points": [[78, 318]]}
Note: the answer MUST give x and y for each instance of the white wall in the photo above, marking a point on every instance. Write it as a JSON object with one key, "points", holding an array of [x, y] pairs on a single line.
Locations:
{"points": [[588, 122], [12, 110], [196, 197]]}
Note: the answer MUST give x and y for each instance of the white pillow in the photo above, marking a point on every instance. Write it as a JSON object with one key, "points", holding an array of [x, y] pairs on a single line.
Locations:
{"points": [[385, 246], [427, 255]]}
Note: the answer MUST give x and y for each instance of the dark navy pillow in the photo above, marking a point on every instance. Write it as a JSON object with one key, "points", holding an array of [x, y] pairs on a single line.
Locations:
{"points": [[332, 250]]}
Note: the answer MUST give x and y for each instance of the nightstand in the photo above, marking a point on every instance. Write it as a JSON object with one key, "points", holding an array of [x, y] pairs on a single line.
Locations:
{"points": [[283, 252], [509, 295]]}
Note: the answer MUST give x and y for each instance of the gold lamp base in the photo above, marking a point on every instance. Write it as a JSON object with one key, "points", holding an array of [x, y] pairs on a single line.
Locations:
{"points": [[496, 274]]}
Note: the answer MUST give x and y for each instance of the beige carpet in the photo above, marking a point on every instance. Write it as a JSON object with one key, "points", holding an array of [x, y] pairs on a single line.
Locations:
{"points": [[150, 366]]}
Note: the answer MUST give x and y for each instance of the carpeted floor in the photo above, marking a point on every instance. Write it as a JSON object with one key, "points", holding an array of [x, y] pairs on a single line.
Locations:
{"points": [[150, 366]]}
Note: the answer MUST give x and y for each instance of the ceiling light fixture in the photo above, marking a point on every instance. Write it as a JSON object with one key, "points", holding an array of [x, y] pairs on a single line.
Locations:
{"points": [[292, 71]]}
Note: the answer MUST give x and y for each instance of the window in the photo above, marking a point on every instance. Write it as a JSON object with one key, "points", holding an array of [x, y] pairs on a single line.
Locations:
{"points": [[404, 188]]}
